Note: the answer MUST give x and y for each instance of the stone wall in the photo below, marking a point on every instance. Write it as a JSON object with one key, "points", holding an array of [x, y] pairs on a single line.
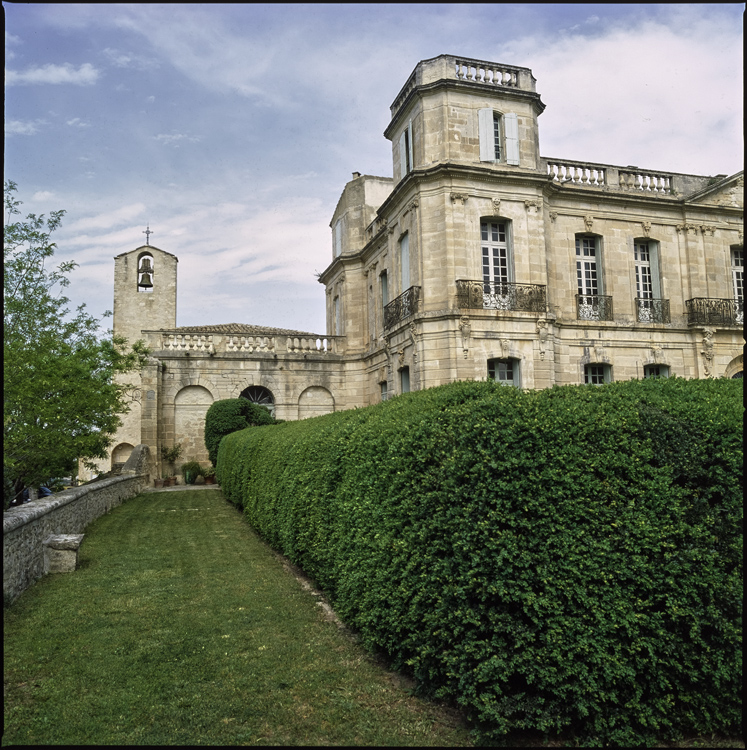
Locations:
{"points": [[26, 527]]}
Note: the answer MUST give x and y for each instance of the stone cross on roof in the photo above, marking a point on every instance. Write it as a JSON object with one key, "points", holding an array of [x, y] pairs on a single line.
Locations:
{"points": [[147, 234]]}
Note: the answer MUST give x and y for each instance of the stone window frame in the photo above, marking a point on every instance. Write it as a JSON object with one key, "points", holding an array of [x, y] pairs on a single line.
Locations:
{"points": [[597, 373], [655, 371], [507, 123], [505, 366]]}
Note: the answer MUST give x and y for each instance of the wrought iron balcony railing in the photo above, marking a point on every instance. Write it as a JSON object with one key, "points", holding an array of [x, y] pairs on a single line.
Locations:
{"points": [[593, 307], [707, 311], [652, 310], [494, 295], [402, 307]]}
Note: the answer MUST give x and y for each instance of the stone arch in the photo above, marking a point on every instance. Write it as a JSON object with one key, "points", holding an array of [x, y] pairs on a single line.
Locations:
{"points": [[735, 368], [121, 453], [258, 394], [172, 389], [190, 407], [315, 400], [145, 271]]}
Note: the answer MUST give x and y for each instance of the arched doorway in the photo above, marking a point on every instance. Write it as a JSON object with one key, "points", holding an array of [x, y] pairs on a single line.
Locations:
{"points": [[258, 394]]}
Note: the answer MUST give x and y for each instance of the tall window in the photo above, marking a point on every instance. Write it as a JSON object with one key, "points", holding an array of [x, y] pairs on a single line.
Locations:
{"points": [[337, 234], [404, 259], [496, 265], [643, 281], [338, 317], [651, 308], [404, 380], [591, 306], [384, 281], [737, 272], [406, 161], [384, 387], [504, 371], [737, 280], [499, 136]]}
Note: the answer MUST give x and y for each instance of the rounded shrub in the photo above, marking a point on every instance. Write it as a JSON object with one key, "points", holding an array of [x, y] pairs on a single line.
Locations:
{"points": [[558, 560], [229, 415]]}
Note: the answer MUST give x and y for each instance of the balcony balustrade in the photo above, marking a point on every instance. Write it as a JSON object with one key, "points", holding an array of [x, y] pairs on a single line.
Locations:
{"points": [[593, 307], [707, 311], [402, 307], [501, 296], [652, 310]]}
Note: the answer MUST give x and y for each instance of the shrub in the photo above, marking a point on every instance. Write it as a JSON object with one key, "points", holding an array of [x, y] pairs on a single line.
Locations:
{"points": [[190, 471], [568, 559], [229, 415]]}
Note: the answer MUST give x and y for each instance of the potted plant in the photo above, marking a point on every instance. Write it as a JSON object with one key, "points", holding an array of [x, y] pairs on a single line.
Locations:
{"points": [[190, 471], [171, 456], [209, 475]]}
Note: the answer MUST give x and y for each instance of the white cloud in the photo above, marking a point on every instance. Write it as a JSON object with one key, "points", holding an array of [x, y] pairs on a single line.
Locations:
{"points": [[19, 127], [85, 75], [129, 60], [78, 123], [108, 219], [42, 195], [174, 139]]}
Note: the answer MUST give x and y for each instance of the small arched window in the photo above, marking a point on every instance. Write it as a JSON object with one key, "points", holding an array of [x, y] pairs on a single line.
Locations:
{"points": [[258, 394]]}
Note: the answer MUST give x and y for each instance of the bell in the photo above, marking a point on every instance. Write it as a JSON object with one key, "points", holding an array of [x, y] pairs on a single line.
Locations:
{"points": [[145, 281], [145, 266]]}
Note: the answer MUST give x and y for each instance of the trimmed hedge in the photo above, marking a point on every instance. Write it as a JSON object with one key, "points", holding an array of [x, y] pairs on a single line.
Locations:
{"points": [[229, 415], [559, 560]]}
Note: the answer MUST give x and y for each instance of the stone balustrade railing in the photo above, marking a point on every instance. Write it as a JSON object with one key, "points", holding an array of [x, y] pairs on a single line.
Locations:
{"points": [[631, 179], [375, 227], [210, 344], [486, 72], [576, 172]]}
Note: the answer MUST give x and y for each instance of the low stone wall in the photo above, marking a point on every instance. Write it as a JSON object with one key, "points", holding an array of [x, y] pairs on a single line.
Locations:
{"points": [[27, 526]]}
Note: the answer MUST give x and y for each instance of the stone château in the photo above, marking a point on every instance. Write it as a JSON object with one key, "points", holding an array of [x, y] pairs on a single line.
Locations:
{"points": [[479, 258]]}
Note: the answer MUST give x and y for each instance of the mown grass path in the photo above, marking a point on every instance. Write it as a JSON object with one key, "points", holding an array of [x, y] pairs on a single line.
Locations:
{"points": [[182, 627]]}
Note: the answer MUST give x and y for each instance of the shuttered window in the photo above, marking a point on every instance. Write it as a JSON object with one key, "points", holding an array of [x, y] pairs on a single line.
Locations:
{"points": [[498, 133]]}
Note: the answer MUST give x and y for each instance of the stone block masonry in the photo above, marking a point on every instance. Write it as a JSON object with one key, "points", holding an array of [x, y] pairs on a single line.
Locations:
{"points": [[27, 527]]}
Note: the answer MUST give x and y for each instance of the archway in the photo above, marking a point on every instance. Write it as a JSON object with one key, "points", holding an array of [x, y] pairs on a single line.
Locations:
{"points": [[190, 407], [735, 368], [314, 401], [258, 394], [121, 453]]}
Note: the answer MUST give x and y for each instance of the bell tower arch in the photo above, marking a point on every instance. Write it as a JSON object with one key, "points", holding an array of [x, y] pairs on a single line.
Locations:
{"points": [[144, 291]]}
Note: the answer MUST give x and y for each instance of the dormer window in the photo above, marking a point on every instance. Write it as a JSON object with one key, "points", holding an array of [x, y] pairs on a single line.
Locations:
{"points": [[499, 136]]}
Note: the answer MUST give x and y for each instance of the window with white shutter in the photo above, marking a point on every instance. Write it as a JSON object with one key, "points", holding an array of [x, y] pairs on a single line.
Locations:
{"points": [[499, 136]]}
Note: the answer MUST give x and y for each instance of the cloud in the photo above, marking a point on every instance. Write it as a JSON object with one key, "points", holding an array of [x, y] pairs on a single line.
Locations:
{"points": [[128, 60], [19, 127], [108, 219], [78, 123], [85, 75], [174, 139], [42, 195]]}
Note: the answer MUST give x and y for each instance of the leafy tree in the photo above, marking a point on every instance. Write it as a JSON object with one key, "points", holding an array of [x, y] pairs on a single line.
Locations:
{"points": [[229, 415], [61, 401]]}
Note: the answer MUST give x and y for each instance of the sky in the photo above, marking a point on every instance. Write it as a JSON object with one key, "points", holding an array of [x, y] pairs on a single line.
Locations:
{"points": [[231, 130]]}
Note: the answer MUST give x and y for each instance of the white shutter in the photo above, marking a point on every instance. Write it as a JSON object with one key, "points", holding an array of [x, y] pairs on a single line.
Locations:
{"points": [[409, 143], [338, 238], [653, 254], [485, 131], [511, 126], [402, 155], [404, 247]]}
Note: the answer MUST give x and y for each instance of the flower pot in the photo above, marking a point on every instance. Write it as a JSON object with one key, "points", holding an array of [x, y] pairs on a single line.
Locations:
{"points": [[158, 482], [209, 480]]}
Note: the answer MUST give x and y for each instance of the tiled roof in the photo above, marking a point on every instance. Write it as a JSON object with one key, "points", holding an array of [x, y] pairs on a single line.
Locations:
{"points": [[245, 329]]}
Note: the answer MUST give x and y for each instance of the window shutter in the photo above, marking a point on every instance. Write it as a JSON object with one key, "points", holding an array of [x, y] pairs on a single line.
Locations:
{"points": [[404, 247], [409, 143], [511, 125], [402, 155], [485, 131], [653, 252]]}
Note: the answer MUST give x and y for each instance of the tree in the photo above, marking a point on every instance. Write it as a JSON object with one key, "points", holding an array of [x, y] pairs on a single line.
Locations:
{"points": [[61, 401]]}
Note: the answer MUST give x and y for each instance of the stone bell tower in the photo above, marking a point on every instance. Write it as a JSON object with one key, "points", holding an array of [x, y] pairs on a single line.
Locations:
{"points": [[144, 291]]}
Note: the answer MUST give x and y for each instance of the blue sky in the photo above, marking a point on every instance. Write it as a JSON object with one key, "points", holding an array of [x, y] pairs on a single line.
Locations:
{"points": [[232, 129]]}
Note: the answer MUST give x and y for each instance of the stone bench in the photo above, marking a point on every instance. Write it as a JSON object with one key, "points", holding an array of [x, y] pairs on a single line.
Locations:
{"points": [[61, 552]]}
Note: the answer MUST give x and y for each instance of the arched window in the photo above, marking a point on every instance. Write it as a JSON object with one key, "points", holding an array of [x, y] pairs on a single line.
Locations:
{"points": [[258, 394]]}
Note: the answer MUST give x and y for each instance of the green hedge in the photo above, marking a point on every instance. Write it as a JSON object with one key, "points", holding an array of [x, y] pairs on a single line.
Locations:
{"points": [[567, 559], [229, 415]]}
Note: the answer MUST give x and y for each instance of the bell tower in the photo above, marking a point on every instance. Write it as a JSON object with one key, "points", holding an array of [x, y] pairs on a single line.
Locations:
{"points": [[144, 291]]}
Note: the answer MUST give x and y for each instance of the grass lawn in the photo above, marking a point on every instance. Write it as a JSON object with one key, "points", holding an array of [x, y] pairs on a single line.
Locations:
{"points": [[182, 627]]}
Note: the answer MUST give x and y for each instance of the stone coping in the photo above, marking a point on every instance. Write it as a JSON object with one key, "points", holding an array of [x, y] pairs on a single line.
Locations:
{"points": [[14, 518]]}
